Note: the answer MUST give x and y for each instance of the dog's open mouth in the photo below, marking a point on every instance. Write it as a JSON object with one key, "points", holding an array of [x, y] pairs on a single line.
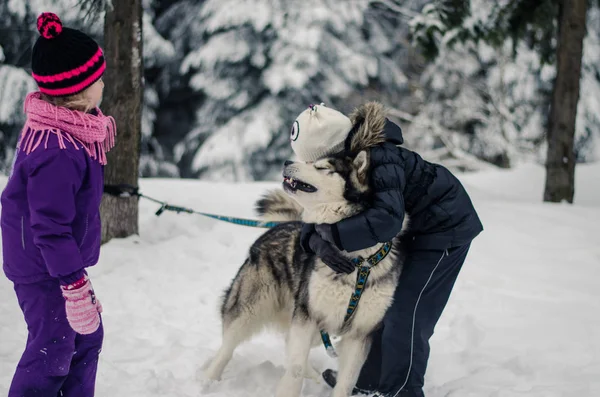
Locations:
{"points": [[293, 185]]}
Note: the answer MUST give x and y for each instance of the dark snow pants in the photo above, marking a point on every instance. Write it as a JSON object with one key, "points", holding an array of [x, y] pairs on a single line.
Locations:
{"points": [[398, 357]]}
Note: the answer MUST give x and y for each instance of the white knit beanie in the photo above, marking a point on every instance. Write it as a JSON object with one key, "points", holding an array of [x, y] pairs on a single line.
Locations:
{"points": [[318, 132]]}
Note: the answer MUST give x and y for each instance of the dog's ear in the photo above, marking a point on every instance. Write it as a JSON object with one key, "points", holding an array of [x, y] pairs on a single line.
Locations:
{"points": [[361, 163]]}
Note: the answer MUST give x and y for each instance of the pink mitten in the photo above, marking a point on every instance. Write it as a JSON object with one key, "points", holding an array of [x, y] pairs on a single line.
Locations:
{"points": [[82, 306]]}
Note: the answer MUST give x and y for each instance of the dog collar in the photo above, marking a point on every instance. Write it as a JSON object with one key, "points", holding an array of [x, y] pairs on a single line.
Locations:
{"points": [[374, 259]]}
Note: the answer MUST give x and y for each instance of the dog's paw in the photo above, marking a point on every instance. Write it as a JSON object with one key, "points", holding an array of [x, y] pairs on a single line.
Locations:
{"points": [[205, 374], [207, 385], [209, 371]]}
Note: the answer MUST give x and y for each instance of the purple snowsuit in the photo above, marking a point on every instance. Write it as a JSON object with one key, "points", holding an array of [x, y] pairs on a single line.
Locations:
{"points": [[50, 233]]}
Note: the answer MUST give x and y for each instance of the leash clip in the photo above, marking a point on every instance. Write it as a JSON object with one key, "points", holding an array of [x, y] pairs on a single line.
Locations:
{"points": [[331, 352], [161, 209]]}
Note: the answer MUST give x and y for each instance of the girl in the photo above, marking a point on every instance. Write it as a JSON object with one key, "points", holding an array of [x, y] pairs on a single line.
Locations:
{"points": [[50, 214], [442, 225]]}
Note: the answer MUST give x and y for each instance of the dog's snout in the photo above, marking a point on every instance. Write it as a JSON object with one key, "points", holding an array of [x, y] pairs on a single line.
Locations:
{"points": [[288, 162]]}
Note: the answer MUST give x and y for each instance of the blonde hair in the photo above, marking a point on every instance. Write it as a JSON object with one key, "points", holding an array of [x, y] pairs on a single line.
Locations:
{"points": [[78, 101]]}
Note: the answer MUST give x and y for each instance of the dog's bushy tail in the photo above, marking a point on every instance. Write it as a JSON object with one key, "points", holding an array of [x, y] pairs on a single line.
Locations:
{"points": [[276, 206]]}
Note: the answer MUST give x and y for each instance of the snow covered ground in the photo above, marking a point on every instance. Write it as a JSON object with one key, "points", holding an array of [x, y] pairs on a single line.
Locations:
{"points": [[523, 319]]}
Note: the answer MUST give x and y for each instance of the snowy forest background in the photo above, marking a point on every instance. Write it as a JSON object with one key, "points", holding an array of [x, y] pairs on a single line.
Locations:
{"points": [[224, 79]]}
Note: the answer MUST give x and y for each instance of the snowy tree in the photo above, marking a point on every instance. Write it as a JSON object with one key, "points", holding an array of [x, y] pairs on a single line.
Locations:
{"points": [[441, 23], [123, 100], [158, 54], [489, 94], [480, 100], [253, 66], [556, 29], [560, 161]]}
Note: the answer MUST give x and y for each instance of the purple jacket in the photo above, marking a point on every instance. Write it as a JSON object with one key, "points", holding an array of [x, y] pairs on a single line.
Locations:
{"points": [[51, 213]]}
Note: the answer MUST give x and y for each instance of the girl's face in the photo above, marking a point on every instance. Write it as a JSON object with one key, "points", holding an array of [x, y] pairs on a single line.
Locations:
{"points": [[94, 93]]}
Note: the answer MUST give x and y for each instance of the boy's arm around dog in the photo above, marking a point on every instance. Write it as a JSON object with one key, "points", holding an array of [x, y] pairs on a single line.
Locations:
{"points": [[383, 220], [442, 214]]}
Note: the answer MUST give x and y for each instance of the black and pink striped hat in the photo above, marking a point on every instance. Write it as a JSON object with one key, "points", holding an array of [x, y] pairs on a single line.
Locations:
{"points": [[64, 61]]}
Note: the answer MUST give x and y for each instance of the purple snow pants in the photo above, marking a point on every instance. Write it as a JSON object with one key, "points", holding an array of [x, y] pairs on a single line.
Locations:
{"points": [[57, 361]]}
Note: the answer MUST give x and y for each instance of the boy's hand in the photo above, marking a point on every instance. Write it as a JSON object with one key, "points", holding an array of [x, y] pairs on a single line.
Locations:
{"points": [[330, 256], [308, 229], [330, 234], [313, 243]]}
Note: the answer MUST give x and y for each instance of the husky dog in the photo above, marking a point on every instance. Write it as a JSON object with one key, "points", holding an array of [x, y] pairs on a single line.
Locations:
{"points": [[281, 285]]}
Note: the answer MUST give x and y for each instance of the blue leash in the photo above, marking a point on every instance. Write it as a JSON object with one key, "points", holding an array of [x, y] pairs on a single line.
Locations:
{"points": [[237, 221], [125, 190]]}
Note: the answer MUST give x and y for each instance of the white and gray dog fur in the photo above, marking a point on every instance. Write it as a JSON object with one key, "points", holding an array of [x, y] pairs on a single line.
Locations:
{"points": [[281, 285]]}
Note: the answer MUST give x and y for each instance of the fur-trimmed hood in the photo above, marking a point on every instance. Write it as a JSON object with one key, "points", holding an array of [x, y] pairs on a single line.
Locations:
{"points": [[371, 128]]}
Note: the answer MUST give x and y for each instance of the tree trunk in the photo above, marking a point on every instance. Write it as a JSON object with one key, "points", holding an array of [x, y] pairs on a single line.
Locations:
{"points": [[123, 100], [560, 161]]}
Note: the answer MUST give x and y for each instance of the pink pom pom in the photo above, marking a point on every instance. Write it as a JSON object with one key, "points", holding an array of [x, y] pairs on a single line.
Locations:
{"points": [[49, 25]]}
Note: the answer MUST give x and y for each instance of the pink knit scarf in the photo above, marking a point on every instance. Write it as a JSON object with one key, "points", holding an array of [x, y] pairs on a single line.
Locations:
{"points": [[94, 132]]}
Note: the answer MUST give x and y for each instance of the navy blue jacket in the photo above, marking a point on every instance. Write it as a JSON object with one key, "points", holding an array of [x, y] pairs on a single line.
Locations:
{"points": [[441, 213]]}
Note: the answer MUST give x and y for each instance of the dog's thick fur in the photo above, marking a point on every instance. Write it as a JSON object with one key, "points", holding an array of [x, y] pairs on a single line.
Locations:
{"points": [[279, 284]]}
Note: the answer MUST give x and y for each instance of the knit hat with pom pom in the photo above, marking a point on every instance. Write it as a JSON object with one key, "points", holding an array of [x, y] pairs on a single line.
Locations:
{"points": [[64, 61]]}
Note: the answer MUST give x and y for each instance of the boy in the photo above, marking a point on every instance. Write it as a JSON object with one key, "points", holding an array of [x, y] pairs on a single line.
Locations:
{"points": [[443, 222]]}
